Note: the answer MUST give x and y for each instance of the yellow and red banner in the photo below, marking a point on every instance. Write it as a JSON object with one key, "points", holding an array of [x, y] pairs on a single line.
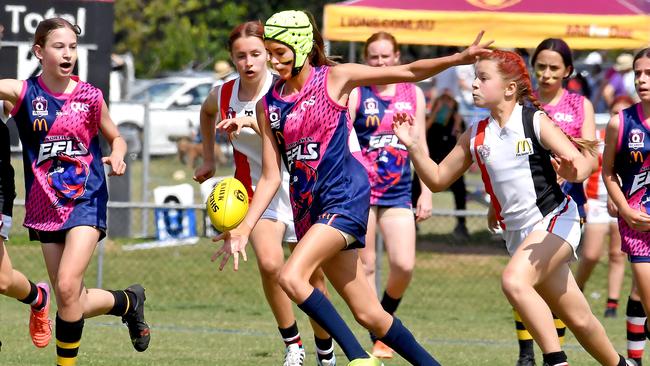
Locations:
{"points": [[354, 22]]}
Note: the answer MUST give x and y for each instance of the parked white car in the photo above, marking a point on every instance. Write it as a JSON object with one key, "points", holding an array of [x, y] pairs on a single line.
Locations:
{"points": [[175, 103]]}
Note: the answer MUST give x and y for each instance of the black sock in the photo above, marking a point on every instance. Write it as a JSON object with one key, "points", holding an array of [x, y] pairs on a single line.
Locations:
{"points": [[291, 335], [32, 297], [123, 303], [68, 336], [324, 348], [621, 361], [612, 303], [526, 348], [555, 359]]}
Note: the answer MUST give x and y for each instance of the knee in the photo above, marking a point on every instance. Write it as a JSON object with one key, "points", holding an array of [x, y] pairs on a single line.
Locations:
{"points": [[512, 284], [67, 290], [368, 318], [403, 269], [369, 266], [616, 256], [270, 267], [291, 282], [580, 323]]}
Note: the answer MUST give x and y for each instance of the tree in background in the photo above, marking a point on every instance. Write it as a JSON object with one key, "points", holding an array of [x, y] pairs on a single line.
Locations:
{"points": [[171, 35]]}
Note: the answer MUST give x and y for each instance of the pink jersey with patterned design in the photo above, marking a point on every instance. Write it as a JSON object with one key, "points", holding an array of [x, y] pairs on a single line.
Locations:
{"points": [[568, 113], [65, 183], [312, 133]]}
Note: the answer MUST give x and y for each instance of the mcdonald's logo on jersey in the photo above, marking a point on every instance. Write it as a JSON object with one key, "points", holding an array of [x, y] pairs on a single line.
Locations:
{"points": [[39, 124], [636, 156], [372, 121], [524, 147]]}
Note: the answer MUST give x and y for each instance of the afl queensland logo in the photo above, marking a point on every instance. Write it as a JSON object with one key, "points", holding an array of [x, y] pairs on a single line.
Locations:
{"points": [[636, 139], [370, 106], [39, 106], [274, 116]]}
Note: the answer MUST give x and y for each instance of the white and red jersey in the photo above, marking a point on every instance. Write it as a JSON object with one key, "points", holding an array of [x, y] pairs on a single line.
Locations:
{"points": [[516, 168], [248, 146], [595, 186]]}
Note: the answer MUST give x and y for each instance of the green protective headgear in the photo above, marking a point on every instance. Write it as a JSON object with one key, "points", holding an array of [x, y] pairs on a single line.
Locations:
{"points": [[294, 29]]}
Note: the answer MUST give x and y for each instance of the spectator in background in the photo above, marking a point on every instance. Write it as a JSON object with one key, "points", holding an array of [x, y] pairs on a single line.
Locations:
{"points": [[621, 82], [223, 72], [596, 80], [444, 124]]}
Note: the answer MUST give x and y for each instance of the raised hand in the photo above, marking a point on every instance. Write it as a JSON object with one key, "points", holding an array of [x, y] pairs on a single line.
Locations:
{"points": [[470, 54], [234, 243], [404, 129]]}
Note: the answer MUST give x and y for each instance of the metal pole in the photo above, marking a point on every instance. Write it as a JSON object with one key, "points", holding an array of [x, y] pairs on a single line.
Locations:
{"points": [[100, 264], [379, 256], [145, 165], [352, 52]]}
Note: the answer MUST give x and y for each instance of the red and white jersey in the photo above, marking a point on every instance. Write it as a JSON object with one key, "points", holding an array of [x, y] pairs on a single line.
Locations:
{"points": [[248, 146], [595, 186], [516, 168]]}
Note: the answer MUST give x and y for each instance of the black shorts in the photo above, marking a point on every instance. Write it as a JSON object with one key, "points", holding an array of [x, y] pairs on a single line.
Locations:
{"points": [[57, 237]]}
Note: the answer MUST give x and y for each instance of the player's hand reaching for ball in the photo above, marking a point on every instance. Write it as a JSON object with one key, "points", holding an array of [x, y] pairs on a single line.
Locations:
{"points": [[234, 243]]}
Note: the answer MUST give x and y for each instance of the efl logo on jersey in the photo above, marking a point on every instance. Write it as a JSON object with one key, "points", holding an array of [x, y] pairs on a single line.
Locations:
{"points": [[635, 139], [381, 141], [308, 151], [636, 156], [51, 149], [524, 147], [640, 181], [39, 124], [39, 106], [370, 106], [403, 106], [372, 121]]}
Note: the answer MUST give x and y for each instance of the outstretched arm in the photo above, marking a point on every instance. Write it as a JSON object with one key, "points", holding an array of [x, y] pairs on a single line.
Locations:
{"points": [[235, 240], [346, 77]]}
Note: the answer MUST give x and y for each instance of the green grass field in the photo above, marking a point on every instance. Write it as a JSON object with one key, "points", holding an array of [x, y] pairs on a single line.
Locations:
{"points": [[200, 316]]}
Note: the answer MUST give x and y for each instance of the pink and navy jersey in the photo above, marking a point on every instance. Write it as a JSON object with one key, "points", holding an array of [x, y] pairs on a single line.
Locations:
{"points": [[385, 158], [326, 181], [632, 164], [569, 115], [64, 177]]}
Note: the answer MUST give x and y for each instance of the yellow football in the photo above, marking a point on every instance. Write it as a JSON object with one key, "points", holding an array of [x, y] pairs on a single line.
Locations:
{"points": [[227, 204]]}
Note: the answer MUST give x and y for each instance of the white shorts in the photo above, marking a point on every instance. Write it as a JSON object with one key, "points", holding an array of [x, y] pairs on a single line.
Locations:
{"points": [[5, 226], [564, 222], [280, 210], [597, 213]]}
